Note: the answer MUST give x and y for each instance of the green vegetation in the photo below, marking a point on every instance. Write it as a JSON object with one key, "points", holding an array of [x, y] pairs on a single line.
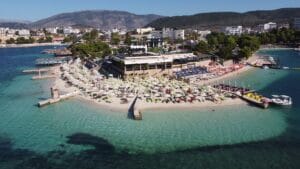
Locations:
{"points": [[115, 39], [221, 19], [128, 39], [91, 36], [225, 45], [155, 50], [70, 38], [279, 36], [10, 41], [48, 39], [22, 40], [94, 49]]}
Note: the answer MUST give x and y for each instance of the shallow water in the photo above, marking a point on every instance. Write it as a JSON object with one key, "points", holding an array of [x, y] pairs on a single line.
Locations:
{"points": [[173, 139]]}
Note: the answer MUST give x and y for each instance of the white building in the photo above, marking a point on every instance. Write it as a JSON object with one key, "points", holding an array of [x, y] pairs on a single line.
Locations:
{"points": [[52, 30], [234, 30], [3, 31], [144, 30], [267, 27], [173, 34], [70, 30], [297, 23], [24, 32], [179, 34], [203, 34]]}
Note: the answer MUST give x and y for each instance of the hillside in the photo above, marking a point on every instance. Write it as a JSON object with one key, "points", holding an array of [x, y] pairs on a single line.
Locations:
{"points": [[219, 19], [103, 19]]}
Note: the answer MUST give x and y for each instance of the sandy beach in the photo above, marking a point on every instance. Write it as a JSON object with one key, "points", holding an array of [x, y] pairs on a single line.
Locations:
{"points": [[142, 105]]}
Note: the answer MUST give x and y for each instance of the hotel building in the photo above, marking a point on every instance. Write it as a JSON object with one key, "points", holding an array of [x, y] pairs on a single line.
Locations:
{"points": [[148, 63]]}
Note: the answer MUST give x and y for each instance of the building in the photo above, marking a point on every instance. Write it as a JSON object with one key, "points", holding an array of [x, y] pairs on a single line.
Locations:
{"points": [[267, 27], [296, 23], [233, 30], [147, 63], [173, 34], [24, 32], [144, 30], [52, 30], [203, 34], [70, 30]]}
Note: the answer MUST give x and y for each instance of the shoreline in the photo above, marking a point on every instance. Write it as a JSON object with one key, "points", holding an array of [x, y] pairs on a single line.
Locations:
{"points": [[30, 45], [116, 106]]}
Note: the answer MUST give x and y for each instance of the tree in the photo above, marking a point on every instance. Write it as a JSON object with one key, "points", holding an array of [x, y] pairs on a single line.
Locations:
{"points": [[10, 41], [245, 52], [70, 38], [47, 40], [91, 36], [202, 47], [95, 49], [115, 39], [0, 40], [128, 39], [249, 41]]}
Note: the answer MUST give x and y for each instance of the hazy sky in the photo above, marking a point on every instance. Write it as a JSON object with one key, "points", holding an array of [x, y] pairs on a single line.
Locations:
{"points": [[38, 9]]}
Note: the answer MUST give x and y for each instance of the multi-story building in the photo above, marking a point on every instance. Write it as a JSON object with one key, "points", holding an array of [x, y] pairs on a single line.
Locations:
{"points": [[173, 34], [267, 27], [233, 30], [52, 30], [296, 23], [144, 30], [70, 30], [24, 32]]}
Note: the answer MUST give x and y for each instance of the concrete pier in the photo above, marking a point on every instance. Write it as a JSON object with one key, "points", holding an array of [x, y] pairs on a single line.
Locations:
{"points": [[56, 97], [134, 112], [36, 70]]}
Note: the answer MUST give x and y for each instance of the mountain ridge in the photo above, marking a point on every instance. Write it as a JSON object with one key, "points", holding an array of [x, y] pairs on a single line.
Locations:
{"points": [[219, 19]]}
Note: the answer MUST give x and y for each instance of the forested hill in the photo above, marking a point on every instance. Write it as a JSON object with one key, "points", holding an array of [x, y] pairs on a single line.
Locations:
{"points": [[220, 19]]}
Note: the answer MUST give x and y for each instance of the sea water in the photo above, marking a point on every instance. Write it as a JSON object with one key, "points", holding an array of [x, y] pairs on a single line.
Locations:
{"points": [[76, 129]]}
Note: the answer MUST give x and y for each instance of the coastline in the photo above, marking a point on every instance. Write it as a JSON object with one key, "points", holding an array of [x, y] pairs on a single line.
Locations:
{"points": [[116, 106], [235, 73], [30, 45]]}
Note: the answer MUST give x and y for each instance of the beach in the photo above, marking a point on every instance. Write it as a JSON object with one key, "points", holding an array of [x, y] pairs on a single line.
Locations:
{"points": [[115, 105]]}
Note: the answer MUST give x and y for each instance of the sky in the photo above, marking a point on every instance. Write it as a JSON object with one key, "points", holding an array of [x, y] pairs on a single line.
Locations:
{"points": [[32, 10]]}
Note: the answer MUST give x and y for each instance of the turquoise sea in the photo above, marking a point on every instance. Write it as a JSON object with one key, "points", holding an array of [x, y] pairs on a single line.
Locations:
{"points": [[77, 134]]}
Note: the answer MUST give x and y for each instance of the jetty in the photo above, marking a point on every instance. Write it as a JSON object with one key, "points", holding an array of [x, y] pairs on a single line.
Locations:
{"points": [[134, 112], [246, 94], [51, 61], [56, 97], [36, 70]]}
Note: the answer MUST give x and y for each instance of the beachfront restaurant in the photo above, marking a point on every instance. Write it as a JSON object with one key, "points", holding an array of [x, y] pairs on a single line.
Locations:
{"points": [[151, 64]]}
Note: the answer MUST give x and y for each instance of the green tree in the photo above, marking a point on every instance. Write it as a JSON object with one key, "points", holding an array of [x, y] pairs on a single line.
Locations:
{"points": [[115, 39], [128, 39], [202, 47], [95, 49], [10, 41], [245, 52], [91, 36], [70, 38]]}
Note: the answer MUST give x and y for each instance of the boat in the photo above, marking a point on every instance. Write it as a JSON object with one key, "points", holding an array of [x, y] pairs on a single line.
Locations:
{"points": [[257, 99], [265, 67], [282, 100], [285, 67]]}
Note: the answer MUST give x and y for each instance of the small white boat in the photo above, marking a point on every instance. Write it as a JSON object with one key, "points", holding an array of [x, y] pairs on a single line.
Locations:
{"points": [[265, 67], [285, 68], [282, 100]]}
